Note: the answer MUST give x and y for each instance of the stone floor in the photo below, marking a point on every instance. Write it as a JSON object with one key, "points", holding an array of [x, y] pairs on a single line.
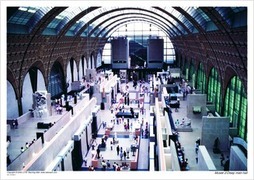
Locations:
{"points": [[26, 133]]}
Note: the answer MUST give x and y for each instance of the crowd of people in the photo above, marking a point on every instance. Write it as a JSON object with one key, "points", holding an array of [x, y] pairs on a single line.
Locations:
{"points": [[26, 146], [128, 124], [183, 161]]}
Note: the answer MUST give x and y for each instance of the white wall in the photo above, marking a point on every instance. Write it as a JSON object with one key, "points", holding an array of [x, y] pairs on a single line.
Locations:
{"points": [[80, 74], [98, 60], [93, 65], [12, 104], [196, 100], [213, 127], [68, 76], [40, 82], [27, 94], [85, 66], [56, 144], [75, 74], [89, 63], [205, 162], [75, 71], [238, 161], [81, 69]]}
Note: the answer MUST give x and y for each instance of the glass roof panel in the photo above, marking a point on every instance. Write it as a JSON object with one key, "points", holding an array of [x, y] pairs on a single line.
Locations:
{"points": [[133, 28], [99, 20], [178, 16], [198, 15], [109, 24], [238, 9], [160, 16], [64, 17], [28, 16], [225, 13], [182, 18], [23, 15], [230, 14]]}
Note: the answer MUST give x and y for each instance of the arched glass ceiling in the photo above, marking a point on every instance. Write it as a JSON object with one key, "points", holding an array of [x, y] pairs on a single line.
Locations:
{"points": [[203, 20], [114, 19], [25, 18], [62, 19], [114, 26], [112, 22], [178, 16], [105, 16], [162, 17], [138, 31], [230, 14], [129, 23]]}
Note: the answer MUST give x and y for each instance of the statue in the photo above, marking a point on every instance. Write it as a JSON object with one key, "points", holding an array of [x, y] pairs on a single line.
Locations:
{"points": [[216, 148]]}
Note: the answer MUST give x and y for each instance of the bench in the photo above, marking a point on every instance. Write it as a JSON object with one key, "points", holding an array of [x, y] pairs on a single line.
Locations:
{"points": [[174, 104], [42, 125], [127, 115]]}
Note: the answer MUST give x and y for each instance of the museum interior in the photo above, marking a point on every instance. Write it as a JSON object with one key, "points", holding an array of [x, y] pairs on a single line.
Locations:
{"points": [[149, 88]]}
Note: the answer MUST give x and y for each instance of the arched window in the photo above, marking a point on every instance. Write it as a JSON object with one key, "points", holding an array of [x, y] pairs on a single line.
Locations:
{"points": [[98, 60], [235, 106], [184, 66], [214, 90], [201, 79], [190, 74], [12, 104], [56, 80], [137, 34]]}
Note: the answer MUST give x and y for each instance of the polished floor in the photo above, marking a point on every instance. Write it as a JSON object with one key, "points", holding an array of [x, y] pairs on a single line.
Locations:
{"points": [[187, 139], [125, 137], [26, 132]]}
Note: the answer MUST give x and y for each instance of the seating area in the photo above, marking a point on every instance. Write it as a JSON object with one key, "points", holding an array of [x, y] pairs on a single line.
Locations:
{"points": [[127, 114], [42, 125], [125, 138], [174, 104]]}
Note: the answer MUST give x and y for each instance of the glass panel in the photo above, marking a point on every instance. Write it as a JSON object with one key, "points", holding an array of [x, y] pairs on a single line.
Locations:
{"points": [[214, 90], [28, 17], [226, 103], [64, 17], [230, 15], [237, 104], [139, 32]]}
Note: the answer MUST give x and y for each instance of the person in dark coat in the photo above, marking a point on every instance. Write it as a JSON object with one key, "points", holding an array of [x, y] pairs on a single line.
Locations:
{"points": [[124, 155], [222, 159], [117, 149], [226, 165], [98, 153]]}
